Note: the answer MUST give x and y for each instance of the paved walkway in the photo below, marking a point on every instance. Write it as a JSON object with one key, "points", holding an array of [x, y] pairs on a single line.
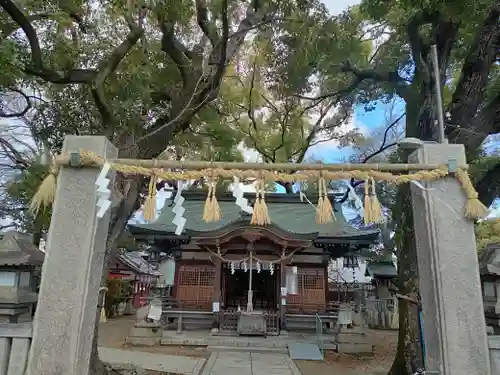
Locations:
{"points": [[244, 363], [151, 361]]}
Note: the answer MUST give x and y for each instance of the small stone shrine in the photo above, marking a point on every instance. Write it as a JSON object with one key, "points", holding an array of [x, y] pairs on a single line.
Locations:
{"points": [[19, 259]]}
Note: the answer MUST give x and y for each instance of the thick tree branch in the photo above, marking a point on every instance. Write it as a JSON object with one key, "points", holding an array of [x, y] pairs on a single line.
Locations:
{"points": [[10, 28], [391, 78], [37, 67], [204, 91], [422, 17], [174, 49], [475, 75], [22, 112], [105, 68], [381, 149], [488, 187], [208, 27]]}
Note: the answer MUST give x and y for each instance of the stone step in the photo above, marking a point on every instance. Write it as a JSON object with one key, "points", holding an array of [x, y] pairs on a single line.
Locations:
{"points": [[247, 349], [240, 343]]}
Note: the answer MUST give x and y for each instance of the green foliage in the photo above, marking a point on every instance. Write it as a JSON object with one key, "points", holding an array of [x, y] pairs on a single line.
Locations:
{"points": [[118, 291], [487, 232], [20, 191]]}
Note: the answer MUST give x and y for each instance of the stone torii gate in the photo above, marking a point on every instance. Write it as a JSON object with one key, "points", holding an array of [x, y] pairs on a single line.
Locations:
{"points": [[454, 323]]}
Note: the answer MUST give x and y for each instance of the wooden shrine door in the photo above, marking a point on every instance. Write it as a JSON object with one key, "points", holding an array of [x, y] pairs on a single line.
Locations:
{"points": [[196, 286]]}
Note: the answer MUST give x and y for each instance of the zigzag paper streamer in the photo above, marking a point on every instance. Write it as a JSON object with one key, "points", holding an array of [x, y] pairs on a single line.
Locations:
{"points": [[179, 220], [357, 200], [238, 194], [103, 192]]}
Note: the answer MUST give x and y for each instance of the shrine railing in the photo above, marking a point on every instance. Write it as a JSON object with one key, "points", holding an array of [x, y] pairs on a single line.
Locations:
{"points": [[229, 320], [319, 333], [312, 307], [172, 303]]}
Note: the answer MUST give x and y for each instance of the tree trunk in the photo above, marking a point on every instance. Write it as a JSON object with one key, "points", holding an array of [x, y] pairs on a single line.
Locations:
{"points": [[122, 210], [408, 355], [419, 124]]}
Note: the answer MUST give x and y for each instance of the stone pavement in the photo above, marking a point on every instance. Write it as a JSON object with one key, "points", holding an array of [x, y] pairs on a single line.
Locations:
{"points": [[151, 361], [244, 363]]}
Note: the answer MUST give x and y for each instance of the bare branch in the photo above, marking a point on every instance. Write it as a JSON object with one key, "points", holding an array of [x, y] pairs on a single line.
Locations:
{"points": [[381, 149]]}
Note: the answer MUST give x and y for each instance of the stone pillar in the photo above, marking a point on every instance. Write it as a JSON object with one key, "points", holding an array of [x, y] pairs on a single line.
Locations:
{"points": [[217, 295], [497, 297], [282, 308], [454, 322], [63, 327]]}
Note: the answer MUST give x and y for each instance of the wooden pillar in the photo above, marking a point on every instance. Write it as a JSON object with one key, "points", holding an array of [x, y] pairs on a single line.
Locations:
{"points": [[283, 285], [217, 293]]}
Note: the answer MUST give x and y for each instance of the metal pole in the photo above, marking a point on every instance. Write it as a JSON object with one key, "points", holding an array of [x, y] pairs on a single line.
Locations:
{"points": [[439, 98], [250, 291]]}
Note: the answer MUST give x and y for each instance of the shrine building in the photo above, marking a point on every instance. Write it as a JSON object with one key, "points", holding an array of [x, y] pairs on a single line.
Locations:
{"points": [[284, 265]]}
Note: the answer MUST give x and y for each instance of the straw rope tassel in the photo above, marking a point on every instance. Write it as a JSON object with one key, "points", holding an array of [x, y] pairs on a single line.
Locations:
{"points": [[376, 208], [319, 218], [215, 212], [260, 215], [44, 197], [324, 212], [103, 318], [474, 209], [367, 209], [149, 210]]}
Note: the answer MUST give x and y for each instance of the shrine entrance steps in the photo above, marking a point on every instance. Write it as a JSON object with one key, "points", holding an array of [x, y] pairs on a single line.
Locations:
{"points": [[245, 363]]}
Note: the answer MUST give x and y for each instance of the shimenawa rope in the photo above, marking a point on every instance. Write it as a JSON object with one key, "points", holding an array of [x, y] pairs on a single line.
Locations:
{"points": [[372, 212]]}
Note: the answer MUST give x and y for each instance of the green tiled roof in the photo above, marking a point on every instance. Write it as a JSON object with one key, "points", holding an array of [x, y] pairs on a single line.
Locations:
{"points": [[291, 215], [381, 269]]}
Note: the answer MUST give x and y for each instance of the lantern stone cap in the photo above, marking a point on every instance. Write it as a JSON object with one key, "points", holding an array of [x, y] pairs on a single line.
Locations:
{"points": [[16, 249], [489, 260]]}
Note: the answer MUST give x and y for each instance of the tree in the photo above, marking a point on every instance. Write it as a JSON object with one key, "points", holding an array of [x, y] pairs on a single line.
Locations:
{"points": [[487, 233], [467, 38], [137, 72], [128, 71]]}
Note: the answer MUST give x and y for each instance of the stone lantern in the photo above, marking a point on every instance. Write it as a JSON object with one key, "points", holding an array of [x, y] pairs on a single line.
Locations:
{"points": [[19, 259]]}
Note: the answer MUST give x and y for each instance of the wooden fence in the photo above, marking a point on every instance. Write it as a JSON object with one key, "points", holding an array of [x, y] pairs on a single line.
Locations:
{"points": [[15, 344]]}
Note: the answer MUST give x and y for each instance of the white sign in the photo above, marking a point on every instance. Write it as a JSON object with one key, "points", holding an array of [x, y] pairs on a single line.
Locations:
{"points": [[283, 291], [215, 306], [154, 313]]}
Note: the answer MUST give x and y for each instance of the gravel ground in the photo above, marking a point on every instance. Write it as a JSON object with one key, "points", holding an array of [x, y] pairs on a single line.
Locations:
{"points": [[113, 333], [343, 364]]}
